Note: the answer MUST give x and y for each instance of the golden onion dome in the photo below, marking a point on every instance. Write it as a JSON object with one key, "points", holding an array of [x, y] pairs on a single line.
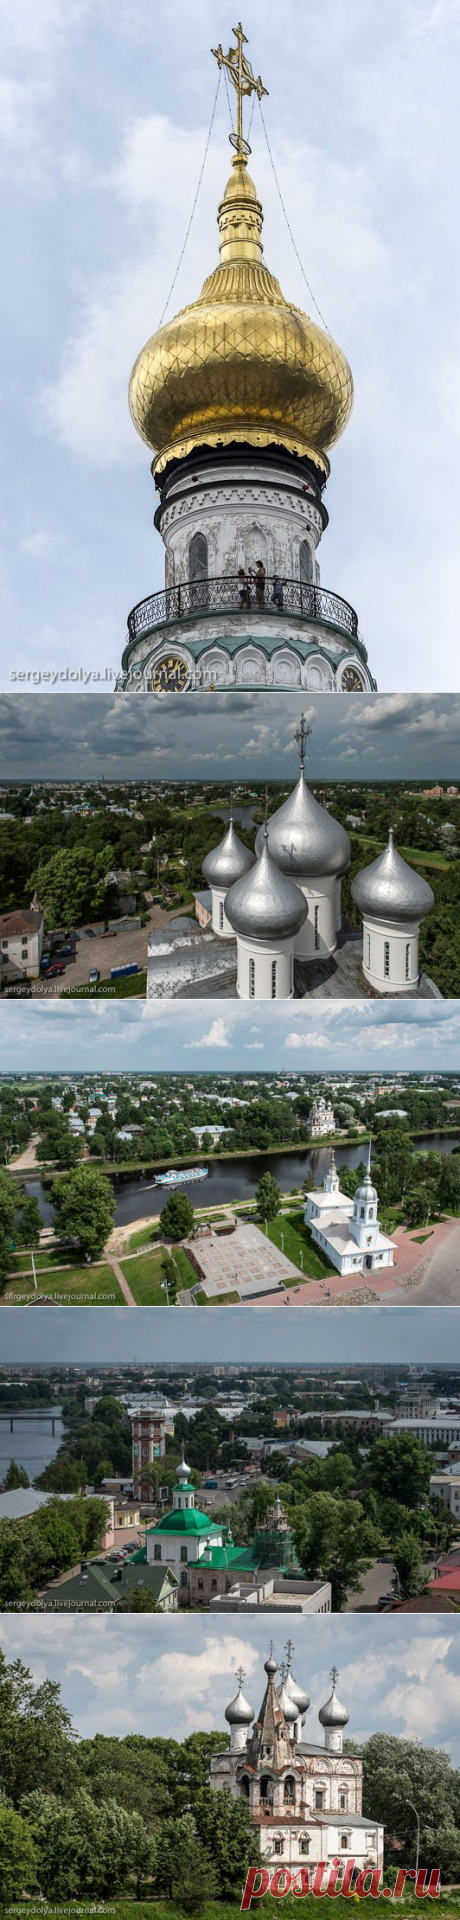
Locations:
{"points": [[240, 364]]}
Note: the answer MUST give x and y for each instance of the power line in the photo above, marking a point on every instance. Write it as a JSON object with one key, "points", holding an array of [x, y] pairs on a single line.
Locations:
{"points": [[203, 164], [289, 228]]}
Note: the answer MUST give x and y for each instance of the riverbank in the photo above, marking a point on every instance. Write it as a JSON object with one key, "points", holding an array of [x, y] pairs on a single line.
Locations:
{"points": [[127, 1168]]}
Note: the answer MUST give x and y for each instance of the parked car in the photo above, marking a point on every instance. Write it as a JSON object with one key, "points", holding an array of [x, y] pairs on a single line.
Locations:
{"points": [[94, 976], [385, 1600], [115, 1556], [55, 968]]}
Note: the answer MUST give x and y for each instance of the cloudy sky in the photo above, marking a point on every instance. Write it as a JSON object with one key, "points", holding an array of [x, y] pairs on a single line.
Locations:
{"points": [[104, 116], [366, 737], [166, 1678], [87, 1336], [184, 1036]]}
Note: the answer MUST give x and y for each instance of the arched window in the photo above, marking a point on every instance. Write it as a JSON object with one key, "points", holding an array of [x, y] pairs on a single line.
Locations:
{"points": [[221, 915], [305, 564], [252, 979], [266, 1789], [245, 1786], [198, 557], [198, 571], [289, 1791]]}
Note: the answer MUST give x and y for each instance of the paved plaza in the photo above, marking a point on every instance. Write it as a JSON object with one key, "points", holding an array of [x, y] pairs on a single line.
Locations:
{"points": [[244, 1262]]}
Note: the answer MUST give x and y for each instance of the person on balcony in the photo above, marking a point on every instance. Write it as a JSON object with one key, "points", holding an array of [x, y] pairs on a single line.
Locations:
{"points": [[259, 580], [278, 592], [244, 594]]}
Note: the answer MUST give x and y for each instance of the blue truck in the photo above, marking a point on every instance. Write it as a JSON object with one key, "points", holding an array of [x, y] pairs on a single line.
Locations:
{"points": [[118, 973]]}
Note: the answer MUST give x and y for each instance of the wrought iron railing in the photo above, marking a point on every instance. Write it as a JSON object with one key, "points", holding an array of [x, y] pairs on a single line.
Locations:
{"points": [[223, 595]]}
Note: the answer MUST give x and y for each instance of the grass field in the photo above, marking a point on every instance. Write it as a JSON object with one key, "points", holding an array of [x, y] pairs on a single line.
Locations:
{"points": [[143, 1237], [145, 1276], [158, 1909], [133, 983], [298, 1245], [186, 1273], [218, 1300], [88, 1285], [418, 856]]}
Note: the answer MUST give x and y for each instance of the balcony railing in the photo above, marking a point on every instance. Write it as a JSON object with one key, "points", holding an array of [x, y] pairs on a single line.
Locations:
{"points": [[196, 598]]}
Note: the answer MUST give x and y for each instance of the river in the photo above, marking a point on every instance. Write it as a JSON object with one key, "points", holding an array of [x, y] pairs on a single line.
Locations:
{"points": [[234, 1179], [31, 1444]]}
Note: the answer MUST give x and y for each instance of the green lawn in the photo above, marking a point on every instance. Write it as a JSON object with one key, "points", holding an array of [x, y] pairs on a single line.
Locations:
{"points": [[88, 1285], [297, 1241], [161, 1909], [133, 983], [415, 855], [143, 1237], [144, 1276], [218, 1300], [185, 1270]]}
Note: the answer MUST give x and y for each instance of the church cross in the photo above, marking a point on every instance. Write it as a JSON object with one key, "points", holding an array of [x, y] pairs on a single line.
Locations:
{"points": [[244, 81], [240, 1675], [334, 1675], [289, 1650], [302, 734]]}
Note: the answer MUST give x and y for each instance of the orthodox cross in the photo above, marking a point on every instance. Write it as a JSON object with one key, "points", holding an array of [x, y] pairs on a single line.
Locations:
{"points": [[244, 81], [334, 1675], [240, 1676], [289, 1650], [302, 734]]}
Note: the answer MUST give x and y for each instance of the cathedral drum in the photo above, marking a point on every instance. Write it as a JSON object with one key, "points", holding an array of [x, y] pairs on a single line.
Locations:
{"points": [[240, 396]]}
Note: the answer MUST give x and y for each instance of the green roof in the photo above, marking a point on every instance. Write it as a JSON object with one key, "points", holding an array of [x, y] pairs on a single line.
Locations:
{"points": [[106, 1585], [227, 1557], [185, 1520]]}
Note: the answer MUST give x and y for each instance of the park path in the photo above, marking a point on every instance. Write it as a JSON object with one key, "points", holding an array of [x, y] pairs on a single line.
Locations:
{"points": [[123, 1284]]}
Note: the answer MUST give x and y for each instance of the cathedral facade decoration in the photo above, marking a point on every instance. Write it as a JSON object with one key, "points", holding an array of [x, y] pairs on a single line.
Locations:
{"points": [[240, 397], [304, 1797]]}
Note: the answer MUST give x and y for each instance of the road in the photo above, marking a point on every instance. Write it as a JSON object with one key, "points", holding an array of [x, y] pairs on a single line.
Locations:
{"points": [[26, 1159], [378, 1580], [104, 952], [441, 1285]]}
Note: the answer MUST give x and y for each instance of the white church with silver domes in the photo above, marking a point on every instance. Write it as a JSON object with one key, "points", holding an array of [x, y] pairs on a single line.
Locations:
{"points": [[304, 1796], [348, 1231]]}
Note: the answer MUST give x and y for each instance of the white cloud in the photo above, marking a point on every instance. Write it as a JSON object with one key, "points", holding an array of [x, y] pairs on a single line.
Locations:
{"points": [[307, 1039], [216, 1037]]}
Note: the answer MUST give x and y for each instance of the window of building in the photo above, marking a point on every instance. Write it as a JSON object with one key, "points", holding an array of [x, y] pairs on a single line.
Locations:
{"points": [[157, 1551], [316, 928], [278, 1846], [304, 1846], [183, 1553], [214, 1586], [198, 557], [362, 1214], [252, 979], [306, 568], [408, 960], [368, 949], [245, 1786], [201, 1585], [344, 1842], [274, 965], [319, 1799], [343, 1802], [386, 959], [184, 1579], [289, 1791], [221, 914]]}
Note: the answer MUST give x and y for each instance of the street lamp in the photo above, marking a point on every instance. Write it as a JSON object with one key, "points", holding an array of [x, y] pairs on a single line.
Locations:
{"points": [[410, 1803]]}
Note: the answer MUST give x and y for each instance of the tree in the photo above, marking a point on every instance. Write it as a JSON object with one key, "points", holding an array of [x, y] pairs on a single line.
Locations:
{"points": [[399, 1468], [335, 1540], [16, 1476], [408, 1562], [396, 1770], [224, 1828], [196, 1880], [62, 1475], [84, 1848], [18, 1858], [71, 884], [84, 1206], [177, 1217], [36, 1735], [268, 1197]]}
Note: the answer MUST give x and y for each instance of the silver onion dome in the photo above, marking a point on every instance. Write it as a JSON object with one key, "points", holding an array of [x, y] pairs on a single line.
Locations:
{"points": [[365, 1196], [333, 1714], [391, 889], [227, 862], [303, 838], [288, 1707], [239, 1713], [264, 904], [296, 1693]]}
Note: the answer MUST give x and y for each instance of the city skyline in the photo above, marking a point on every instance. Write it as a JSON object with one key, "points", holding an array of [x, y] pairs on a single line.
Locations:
{"points": [[342, 1336]]}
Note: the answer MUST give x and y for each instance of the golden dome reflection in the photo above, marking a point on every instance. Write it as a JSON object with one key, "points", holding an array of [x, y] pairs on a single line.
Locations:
{"points": [[240, 363]]}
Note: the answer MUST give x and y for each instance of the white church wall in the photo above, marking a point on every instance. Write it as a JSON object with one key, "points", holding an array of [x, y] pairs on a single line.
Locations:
{"points": [[390, 955], [265, 970]]}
